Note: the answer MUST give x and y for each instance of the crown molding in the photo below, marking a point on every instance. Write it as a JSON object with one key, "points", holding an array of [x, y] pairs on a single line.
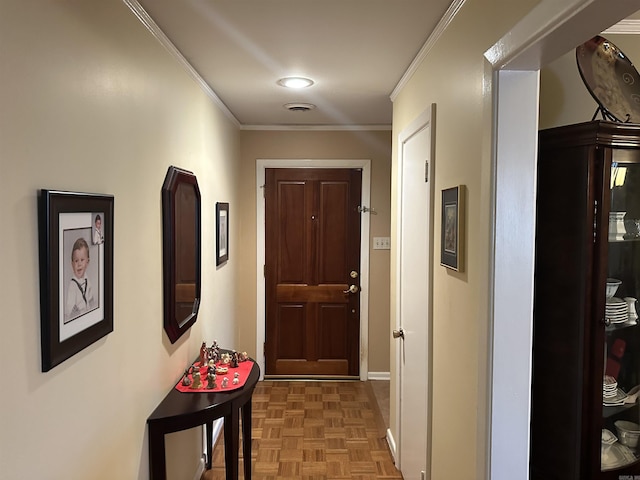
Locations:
{"points": [[624, 27], [442, 25], [347, 128], [159, 35], [544, 34]]}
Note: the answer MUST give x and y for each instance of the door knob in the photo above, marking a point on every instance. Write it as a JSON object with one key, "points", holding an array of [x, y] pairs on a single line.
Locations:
{"points": [[398, 333], [351, 289]]}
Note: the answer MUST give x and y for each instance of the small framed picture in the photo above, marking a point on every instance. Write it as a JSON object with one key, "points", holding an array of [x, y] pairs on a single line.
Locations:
{"points": [[222, 232], [76, 272], [452, 232]]}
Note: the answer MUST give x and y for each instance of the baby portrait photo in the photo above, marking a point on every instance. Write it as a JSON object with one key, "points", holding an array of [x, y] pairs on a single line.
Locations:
{"points": [[81, 274], [98, 228]]}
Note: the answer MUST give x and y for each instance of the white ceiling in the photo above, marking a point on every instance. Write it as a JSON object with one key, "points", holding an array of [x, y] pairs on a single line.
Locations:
{"points": [[355, 50]]}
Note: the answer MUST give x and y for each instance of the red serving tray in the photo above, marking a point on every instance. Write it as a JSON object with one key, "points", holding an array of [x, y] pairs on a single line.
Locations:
{"points": [[243, 369]]}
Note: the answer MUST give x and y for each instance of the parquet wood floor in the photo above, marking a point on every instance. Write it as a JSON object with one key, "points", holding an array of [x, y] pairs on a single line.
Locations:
{"points": [[314, 431]]}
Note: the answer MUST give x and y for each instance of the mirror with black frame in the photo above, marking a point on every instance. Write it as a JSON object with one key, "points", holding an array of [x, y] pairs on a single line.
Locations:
{"points": [[181, 251]]}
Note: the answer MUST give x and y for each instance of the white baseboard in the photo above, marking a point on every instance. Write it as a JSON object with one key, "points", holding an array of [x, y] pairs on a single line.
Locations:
{"points": [[392, 446], [379, 376], [199, 469], [217, 429]]}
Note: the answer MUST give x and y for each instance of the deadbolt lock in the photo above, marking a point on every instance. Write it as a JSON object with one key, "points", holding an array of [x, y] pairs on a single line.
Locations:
{"points": [[353, 274]]}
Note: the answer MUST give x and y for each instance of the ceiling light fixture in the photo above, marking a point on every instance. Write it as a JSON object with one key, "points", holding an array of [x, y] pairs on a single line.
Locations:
{"points": [[295, 82]]}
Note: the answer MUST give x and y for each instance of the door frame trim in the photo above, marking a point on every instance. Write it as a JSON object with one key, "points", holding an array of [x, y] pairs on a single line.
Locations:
{"points": [[261, 166], [550, 30]]}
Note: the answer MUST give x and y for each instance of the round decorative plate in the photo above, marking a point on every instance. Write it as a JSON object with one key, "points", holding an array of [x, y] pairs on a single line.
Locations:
{"points": [[611, 78]]}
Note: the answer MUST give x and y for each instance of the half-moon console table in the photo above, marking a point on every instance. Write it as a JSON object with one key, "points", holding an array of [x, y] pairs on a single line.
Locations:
{"points": [[180, 411]]}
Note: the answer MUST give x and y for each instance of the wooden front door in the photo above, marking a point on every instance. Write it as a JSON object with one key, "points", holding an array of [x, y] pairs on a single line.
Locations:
{"points": [[312, 250]]}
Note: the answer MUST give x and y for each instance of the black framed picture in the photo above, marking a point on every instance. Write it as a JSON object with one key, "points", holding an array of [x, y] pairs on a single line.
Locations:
{"points": [[222, 232], [76, 272], [452, 232]]}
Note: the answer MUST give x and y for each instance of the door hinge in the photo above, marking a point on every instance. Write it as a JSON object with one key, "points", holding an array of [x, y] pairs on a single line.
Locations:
{"points": [[426, 171], [595, 220]]}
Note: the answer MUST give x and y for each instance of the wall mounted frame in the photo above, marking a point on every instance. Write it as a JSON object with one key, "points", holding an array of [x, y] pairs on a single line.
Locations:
{"points": [[181, 219], [452, 231], [222, 233], [76, 272]]}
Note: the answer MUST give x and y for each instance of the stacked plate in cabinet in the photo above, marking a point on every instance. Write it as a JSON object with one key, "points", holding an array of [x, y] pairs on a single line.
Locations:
{"points": [[616, 310], [613, 453], [611, 394]]}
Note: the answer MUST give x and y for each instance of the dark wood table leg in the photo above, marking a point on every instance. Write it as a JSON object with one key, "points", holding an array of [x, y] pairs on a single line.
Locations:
{"points": [[157, 460], [231, 443], [209, 444], [246, 439]]}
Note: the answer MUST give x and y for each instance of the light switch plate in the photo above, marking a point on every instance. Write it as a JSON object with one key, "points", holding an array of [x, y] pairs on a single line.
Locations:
{"points": [[381, 243]]}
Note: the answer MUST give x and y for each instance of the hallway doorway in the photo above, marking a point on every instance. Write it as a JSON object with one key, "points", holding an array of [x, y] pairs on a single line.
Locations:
{"points": [[515, 62], [261, 166], [312, 270]]}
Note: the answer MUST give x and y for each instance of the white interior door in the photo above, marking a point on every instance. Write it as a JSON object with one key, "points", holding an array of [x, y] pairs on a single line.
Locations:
{"points": [[415, 270]]}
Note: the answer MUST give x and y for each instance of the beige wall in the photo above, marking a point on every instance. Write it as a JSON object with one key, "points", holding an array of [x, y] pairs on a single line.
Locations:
{"points": [[564, 98], [91, 102], [455, 76], [373, 145]]}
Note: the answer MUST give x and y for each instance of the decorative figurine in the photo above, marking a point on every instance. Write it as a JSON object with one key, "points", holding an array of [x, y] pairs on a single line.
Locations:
{"points": [[221, 370], [234, 359], [213, 355], [214, 351], [243, 357], [197, 383], [225, 382], [236, 381], [225, 358], [211, 380], [212, 363], [203, 354], [186, 381]]}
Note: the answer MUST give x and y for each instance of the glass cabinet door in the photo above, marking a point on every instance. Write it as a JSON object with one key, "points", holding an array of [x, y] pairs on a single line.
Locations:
{"points": [[621, 382]]}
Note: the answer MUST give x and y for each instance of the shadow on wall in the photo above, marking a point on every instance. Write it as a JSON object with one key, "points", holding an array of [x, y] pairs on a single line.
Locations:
{"points": [[553, 87]]}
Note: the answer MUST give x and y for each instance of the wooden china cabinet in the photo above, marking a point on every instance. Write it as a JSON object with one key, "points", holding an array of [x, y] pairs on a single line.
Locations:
{"points": [[586, 342]]}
